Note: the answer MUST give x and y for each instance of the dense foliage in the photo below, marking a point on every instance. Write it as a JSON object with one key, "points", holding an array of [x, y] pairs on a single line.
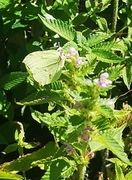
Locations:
{"points": [[65, 89]]}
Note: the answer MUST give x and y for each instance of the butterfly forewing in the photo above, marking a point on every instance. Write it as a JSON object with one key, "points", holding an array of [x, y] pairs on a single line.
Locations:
{"points": [[44, 66]]}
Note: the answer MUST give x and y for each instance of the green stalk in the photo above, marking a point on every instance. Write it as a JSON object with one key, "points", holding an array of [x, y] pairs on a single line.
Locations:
{"points": [[81, 172], [115, 15]]}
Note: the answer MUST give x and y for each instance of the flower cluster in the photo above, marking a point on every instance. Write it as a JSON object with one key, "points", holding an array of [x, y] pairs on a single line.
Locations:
{"points": [[68, 149], [73, 53], [103, 81], [85, 136]]}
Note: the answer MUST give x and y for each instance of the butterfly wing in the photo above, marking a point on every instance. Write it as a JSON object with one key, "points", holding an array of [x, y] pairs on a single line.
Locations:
{"points": [[44, 66]]}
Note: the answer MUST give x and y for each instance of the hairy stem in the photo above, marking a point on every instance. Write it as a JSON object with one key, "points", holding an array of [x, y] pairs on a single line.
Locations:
{"points": [[81, 172], [115, 15]]}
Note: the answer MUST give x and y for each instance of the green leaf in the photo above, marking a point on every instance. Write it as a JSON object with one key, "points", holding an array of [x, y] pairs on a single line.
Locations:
{"points": [[127, 74], [102, 23], [41, 97], [128, 176], [81, 40], [101, 123], [116, 133], [109, 142], [31, 11], [105, 111], [44, 66], [80, 19], [13, 79], [30, 145], [6, 138], [105, 45], [59, 169], [59, 27], [95, 39], [70, 7], [95, 146], [26, 162], [9, 176], [11, 148], [4, 3], [106, 56], [53, 119], [119, 172]]}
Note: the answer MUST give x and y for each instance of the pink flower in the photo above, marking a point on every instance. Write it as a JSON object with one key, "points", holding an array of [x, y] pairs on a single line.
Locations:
{"points": [[110, 103], [103, 81], [79, 62], [73, 51]]}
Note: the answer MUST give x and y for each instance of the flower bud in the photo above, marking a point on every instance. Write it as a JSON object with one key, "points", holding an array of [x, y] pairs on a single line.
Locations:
{"points": [[68, 149], [85, 136], [91, 155]]}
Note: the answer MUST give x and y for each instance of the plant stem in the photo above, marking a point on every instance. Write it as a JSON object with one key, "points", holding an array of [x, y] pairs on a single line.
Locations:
{"points": [[81, 172], [115, 15]]}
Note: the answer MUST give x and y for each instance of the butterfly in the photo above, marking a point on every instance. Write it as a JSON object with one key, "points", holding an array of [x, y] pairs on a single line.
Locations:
{"points": [[45, 66]]}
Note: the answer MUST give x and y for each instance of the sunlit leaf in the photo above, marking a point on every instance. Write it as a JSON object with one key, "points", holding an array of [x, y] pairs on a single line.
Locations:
{"points": [[95, 39], [128, 176], [24, 163], [9, 176], [12, 80], [119, 172], [109, 142], [127, 74], [106, 56], [60, 168], [58, 26]]}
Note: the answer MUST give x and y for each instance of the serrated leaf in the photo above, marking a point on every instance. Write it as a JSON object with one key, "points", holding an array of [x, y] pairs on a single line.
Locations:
{"points": [[58, 26], [95, 146], [51, 120], [106, 56], [95, 39], [81, 40], [59, 169], [105, 111], [24, 163], [109, 142], [44, 66], [127, 74], [57, 85], [105, 45], [41, 97], [13, 79], [9, 176], [101, 123]]}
